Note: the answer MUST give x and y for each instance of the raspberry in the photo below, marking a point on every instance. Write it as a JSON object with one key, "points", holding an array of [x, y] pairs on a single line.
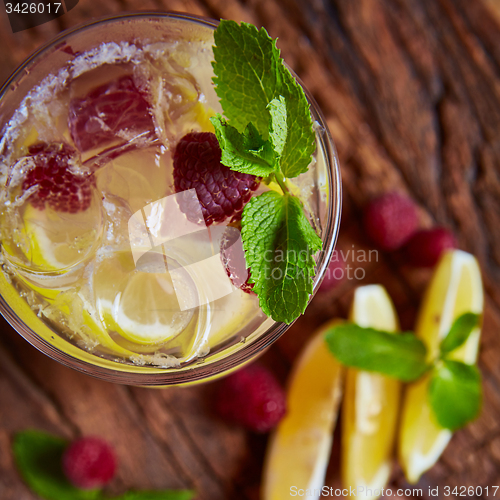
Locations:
{"points": [[334, 274], [89, 462], [390, 220], [426, 246], [233, 258], [109, 112], [58, 186], [253, 398], [221, 191]]}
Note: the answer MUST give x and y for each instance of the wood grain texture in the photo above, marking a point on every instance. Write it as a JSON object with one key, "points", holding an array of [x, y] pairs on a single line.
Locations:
{"points": [[411, 92]]}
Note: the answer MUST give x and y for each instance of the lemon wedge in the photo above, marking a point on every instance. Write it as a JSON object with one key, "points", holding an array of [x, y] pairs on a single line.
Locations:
{"points": [[299, 449], [371, 404], [456, 288]]}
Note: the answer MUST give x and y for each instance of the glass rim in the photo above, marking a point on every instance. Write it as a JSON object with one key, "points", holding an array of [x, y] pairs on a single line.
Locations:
{"points": [[196, 372]]}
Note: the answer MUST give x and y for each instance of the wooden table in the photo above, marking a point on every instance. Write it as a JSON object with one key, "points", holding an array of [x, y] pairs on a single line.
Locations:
{"points": [[411, 92]]}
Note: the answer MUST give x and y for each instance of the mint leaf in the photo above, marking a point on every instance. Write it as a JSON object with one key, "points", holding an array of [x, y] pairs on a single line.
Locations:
{"points": [[158, 495], [459, 332], [278, 127], [38, 458], [301, 139], [455, 394], [401, 356], [247, 75], [246, 152], [279, 245]]}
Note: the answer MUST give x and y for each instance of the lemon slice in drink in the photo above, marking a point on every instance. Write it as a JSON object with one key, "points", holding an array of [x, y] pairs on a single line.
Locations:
{"points": [[141, 306], [72, 309], [456, 288], [299, 450], [371, 404], [48, 241], [148, 312]]}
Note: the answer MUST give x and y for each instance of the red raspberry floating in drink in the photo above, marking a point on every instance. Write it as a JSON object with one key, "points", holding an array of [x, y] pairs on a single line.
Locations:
{"points": [[89, 462], [426, 247], [233, 258], [390, 220], [114, 111], [59, 187], [221, 191], [253, 398]]}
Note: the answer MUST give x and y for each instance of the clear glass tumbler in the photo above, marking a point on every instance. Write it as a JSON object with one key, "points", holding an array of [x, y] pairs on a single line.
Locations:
{"points": [[38, 93]]}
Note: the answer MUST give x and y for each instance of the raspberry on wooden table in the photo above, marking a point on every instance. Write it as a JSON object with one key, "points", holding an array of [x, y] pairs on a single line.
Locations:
{"points": [[89, 462], [60, 187], [390, 220], [426, 247], [253, 398], [335, 272], [221, 192]]}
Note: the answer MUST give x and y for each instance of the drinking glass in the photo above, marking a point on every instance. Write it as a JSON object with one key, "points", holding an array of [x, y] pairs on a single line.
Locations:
{"points": [[320, 190]]}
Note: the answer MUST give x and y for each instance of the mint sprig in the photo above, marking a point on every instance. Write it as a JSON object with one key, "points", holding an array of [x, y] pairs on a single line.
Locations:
{"points": [[38, 457], [400, 356], [454, 389], [267, 131]]}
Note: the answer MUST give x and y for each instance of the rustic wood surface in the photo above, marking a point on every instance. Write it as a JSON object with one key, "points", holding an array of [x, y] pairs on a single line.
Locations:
{"points": [[411, 92]]}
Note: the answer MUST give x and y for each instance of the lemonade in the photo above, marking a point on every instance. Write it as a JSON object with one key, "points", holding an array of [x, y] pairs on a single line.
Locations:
{"points": [[101, 259]]}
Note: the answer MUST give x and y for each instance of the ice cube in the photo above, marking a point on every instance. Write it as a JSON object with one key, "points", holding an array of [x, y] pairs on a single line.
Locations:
{"points": [[114, 112]]}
